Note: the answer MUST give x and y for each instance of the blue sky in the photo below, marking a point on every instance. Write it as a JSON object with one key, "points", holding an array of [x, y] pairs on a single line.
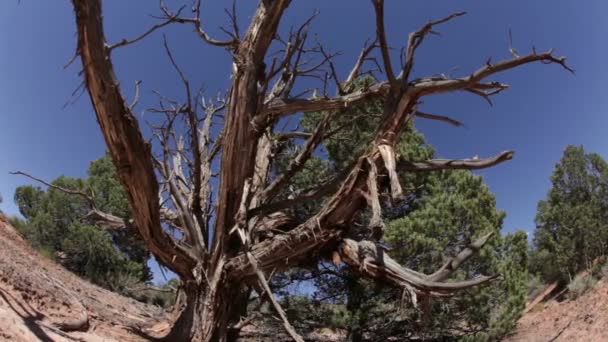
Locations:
{"points": [[545, 109]]}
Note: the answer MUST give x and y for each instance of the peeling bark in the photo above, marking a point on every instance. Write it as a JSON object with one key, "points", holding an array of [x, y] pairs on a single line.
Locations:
{"points": [[217, 273]]}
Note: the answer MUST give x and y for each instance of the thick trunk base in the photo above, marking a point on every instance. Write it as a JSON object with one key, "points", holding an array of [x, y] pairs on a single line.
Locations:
{"points": [[208, 318]]}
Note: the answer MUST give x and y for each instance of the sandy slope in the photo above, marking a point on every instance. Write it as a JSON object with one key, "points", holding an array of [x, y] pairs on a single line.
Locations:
{"points": [[583, 319], [40, 300]]}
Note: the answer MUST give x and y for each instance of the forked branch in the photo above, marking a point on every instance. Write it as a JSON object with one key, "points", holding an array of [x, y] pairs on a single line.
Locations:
{"points": [[416, 38], [373, 262], [473, 81], [452, 264]]}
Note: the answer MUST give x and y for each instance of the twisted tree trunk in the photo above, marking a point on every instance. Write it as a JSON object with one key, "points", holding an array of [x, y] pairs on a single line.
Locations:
{"points": [[218, 262]]}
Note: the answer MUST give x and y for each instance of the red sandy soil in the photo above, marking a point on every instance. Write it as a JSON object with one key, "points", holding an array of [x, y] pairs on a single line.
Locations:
{"points": [[583, 319], [42, 301]]}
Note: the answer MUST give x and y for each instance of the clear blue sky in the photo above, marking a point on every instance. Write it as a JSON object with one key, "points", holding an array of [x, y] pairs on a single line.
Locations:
{"points": [[545, 109]]}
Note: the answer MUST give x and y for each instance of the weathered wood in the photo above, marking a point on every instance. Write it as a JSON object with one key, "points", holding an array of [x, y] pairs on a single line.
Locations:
{"points": [[541, 296], [130, 153], [268, 236]]}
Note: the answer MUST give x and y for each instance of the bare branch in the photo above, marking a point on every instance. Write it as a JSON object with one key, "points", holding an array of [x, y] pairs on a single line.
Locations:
{"points": [[388, 156], [179, 71], [327, 58], [384, 48], [511, 48], [371, 259], [242, 128], [315, 193], [454, 164], [136, 97], [295, 44], [298, 162], [376, 224], [281, 107], [264, 283], [416, 38], [80, 193], [196, 21], [124, 42], [106, 220], [130, 153], [355, 72], [235, 34], [454, 263], [433, 85], [447, 119]]}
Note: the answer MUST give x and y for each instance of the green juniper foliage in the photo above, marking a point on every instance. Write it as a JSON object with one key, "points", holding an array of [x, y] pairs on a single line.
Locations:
{"points": [[55, 224], [443, 212], [572, 222]]}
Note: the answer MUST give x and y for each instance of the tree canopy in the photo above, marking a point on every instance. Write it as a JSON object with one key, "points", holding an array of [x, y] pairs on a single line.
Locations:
{"points": [[443, 213], [572, 222], [60, 224]]}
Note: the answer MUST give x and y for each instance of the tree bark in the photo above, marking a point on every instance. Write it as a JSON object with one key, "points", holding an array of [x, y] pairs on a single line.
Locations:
{"points": [[214, 272], [209, 315]]}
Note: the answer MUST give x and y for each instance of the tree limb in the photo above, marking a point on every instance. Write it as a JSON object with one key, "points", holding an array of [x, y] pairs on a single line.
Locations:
{"points": [[80, 193], [281, 107], [196, 21], [453, 263], [447, 119], [355, 72], [441, 85], [125, 41], [454, 164], [262, 280], [130, 153], [415, 39], [384, 48], [298, 162], [373, 262]]}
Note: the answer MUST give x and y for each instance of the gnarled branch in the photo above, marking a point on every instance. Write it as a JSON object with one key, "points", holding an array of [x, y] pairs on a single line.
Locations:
{"points": [[454, 164], [374, 262], [416, 38], [130, 153], [441, 85]]}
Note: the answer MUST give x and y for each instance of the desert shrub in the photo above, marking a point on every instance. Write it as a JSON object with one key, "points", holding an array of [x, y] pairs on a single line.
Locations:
{"points": [[535, 286], [580, 285]]}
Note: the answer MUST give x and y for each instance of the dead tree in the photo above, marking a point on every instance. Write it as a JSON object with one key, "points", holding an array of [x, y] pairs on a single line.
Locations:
{"points": [[212, 237]]}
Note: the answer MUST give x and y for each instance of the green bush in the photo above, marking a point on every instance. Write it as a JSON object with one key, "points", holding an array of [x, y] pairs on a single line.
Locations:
{"points": [[56, 224]]}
